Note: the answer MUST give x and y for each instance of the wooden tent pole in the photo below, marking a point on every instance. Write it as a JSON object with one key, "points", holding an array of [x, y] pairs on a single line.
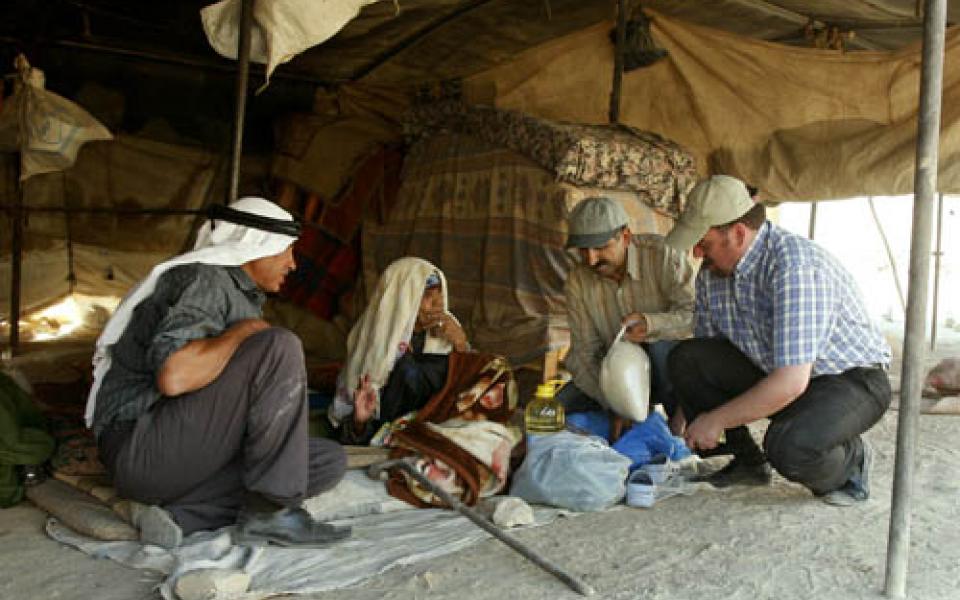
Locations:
{"points": [[911, 383], [240, 109], [16, 260], [616, 90]]}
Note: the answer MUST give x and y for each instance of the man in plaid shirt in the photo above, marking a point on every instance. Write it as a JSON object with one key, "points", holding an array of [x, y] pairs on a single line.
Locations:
{"points": [[781, 332]]}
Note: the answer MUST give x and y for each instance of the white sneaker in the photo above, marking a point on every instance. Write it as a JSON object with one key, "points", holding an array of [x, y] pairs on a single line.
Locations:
{"points": [[857, 488]]}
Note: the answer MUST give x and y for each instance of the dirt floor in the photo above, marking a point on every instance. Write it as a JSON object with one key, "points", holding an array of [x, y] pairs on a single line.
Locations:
{"points": [[772, 542], [747, 543]]}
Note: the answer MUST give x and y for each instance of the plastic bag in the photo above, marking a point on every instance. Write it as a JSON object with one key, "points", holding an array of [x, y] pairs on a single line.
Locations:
{"points": [[48, 130], [625, 379], [593, 422], [571, 471], [645, 440]]}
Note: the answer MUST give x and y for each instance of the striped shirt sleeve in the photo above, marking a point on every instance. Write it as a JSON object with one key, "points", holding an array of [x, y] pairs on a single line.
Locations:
{"points": [[194, 315]]}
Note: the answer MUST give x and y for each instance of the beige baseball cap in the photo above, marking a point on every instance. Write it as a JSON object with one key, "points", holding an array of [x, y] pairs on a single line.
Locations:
{"points": [[714, 201]]}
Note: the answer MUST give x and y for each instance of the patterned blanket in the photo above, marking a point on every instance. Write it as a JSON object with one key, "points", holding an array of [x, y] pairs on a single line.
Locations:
{"points": [[461, 440], [607, 156]]}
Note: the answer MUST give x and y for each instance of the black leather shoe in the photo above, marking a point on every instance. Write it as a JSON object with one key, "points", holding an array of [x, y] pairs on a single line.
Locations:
{"points": [[738, 472], [289, 527]]}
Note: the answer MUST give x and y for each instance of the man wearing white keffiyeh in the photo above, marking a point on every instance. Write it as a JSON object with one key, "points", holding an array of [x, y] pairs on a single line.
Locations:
{"points": [[199, 406]]}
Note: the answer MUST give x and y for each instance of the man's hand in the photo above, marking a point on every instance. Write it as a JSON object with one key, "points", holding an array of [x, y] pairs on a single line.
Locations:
{"points": [[705, 432], [617, 425], [364, 402], [678, 423], [636, 327], [440, 324], [247, 327]]}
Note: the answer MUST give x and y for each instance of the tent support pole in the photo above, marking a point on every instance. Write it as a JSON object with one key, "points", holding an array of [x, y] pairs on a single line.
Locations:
{"points": [[16, 264], [615, 91], [812, 227], [890, 258], [925, 188], [937, 254], [243, 77]]}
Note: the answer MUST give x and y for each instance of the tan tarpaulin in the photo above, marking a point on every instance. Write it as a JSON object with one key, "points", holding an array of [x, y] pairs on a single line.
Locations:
{"points": [[320, 151], [281, 29], [800, 123], [110, 251]]}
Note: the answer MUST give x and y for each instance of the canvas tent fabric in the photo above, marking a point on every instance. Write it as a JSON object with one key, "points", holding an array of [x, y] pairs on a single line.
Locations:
{"points": [[799, 123], [321, 155], [108, 252], [283, 28], [495, 221]]}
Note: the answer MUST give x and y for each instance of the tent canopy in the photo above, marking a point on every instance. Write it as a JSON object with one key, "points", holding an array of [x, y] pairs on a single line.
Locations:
{"points": [[148, 72], [414, 41]]}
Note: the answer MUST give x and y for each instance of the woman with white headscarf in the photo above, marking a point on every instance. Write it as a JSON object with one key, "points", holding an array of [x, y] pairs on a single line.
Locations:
{"points": [[199, 406], [397, 351]]}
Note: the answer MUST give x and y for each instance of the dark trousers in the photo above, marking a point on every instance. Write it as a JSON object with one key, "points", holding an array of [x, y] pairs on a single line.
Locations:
{"points": [[200, 455], [815, 440], [574, 399]]}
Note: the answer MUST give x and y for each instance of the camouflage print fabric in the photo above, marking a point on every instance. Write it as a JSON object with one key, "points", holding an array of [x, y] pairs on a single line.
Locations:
{"points": [[614, 157]]}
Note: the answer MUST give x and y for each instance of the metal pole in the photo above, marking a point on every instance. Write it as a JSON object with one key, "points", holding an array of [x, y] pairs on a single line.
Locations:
{"points": [[925, 187], [185, 60], [937, 254], [243, 76], [572, 581], [813, 220], [615, 92]]}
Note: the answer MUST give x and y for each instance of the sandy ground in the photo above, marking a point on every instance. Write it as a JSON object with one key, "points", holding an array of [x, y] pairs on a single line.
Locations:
{"points": [[746, 543], [773, 542]]}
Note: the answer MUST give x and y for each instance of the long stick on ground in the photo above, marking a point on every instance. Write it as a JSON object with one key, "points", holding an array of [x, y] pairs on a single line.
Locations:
{"points": [[544, 563]]}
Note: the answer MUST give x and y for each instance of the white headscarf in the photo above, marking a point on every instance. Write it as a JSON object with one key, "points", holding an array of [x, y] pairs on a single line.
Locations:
{"points": [[374, 343], [226, 244]]}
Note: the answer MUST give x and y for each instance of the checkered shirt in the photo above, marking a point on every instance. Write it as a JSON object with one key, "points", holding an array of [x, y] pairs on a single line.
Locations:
{"points": [[789, 302]]}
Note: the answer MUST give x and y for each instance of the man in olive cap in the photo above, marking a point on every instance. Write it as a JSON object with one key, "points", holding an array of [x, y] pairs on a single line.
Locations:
{"points": [[622, 279], [781, 332]]}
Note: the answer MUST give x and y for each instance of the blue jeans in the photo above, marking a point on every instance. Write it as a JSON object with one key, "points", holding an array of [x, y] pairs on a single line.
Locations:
{"points": [[661, 387]]}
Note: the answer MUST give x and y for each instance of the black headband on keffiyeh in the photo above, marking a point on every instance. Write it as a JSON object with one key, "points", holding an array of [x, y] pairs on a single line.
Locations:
{"points": [[218, 212]]}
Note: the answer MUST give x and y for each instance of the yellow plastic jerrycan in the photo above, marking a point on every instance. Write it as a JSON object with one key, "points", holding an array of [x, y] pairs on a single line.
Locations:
{"points": [[544, 414]]}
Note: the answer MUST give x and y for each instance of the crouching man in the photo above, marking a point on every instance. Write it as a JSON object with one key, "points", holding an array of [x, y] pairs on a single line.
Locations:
{"points": [[199, 406], [781, 332], [623, 279]]}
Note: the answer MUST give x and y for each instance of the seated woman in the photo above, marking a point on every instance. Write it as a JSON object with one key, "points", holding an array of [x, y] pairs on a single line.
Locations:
{"points": [[397, 351]]}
